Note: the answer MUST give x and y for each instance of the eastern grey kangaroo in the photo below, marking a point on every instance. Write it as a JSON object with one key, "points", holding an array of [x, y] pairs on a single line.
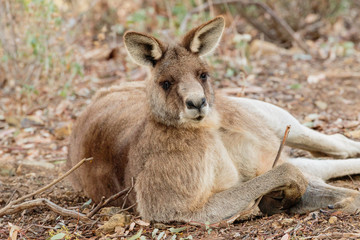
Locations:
{"points": [[197, 155]]}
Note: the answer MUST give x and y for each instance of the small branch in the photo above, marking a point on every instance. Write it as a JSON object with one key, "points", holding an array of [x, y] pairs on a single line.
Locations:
{"points": [[127, 194], [342, 75], [45, 202], [12, 195], [280, 21], [96, 209], [130, 207], [46, 187], [104, 202], [282, 145]]}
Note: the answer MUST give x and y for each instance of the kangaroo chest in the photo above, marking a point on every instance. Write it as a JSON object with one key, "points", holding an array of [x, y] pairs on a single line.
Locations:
{"points": [[225, 172]]}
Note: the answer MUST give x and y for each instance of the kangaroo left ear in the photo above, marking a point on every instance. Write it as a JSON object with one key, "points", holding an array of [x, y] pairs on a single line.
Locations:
{"points": [[144, 49], [205, 38]]}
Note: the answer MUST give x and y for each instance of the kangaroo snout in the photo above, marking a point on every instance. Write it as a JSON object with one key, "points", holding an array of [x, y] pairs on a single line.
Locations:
{"points": [[198, 103]]}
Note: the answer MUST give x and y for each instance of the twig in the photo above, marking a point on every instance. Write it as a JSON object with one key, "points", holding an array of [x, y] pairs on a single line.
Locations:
{"points": [[127, 194], [109, 199], [342, 75], [100, 205], [45, 202], [10, 16], [12, 195], [130, 207], [282, 144], [295, 37], [4, 209]]}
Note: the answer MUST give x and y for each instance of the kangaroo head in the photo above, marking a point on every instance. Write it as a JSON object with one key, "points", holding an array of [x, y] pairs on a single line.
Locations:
{"points": [[179, 89]]}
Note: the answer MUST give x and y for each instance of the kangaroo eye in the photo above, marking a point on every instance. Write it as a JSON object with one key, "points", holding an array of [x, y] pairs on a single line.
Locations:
{"points": [[165, 85], [203, 77]]}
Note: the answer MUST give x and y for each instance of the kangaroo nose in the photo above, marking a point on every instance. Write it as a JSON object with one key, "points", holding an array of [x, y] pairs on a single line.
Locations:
{"points": [[191, 104]]}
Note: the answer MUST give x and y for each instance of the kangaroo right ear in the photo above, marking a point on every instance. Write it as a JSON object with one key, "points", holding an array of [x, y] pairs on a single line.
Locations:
{"points": [[203, 39], [143, 49]]}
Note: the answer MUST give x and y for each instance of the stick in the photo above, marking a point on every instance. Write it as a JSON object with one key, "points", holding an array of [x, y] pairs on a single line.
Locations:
{"points": [[104, 202], [4, 209], [282, 144], [110, 199], [127, 194], [295, 37], [45, 202], [101, 204]]}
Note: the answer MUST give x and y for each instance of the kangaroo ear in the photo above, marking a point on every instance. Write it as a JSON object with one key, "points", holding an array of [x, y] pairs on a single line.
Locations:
{"points": [[205, 38], [143, 49]]}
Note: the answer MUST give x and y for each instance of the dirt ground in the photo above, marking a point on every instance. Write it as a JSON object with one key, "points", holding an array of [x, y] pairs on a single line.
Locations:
{"points": [[330, 104]]}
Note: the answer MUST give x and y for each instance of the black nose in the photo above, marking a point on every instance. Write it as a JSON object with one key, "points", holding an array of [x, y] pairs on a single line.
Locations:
{"points": [[196, 104]]}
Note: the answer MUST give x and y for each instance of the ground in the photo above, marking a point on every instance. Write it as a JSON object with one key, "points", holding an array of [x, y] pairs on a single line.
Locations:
{"points": [[323, 95]]}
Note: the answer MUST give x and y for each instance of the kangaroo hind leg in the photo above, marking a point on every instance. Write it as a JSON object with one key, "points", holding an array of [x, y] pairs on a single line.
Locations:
{"points": [[276, 119], [327, 169], [320, 195]]}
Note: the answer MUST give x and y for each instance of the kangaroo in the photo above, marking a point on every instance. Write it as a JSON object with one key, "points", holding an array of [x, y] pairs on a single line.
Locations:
{"points": [[196, 155]]}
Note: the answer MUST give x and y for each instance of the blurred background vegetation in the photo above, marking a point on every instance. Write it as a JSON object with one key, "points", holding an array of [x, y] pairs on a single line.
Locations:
{"points": [[52, 49]]}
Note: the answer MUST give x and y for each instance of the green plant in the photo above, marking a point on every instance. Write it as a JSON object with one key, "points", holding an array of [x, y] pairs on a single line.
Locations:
{"points": [[34, 45], [62, 233]]}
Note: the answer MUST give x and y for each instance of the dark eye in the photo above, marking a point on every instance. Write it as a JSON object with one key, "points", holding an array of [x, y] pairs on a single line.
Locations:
{"points": [[203, 77], [165, 85]]}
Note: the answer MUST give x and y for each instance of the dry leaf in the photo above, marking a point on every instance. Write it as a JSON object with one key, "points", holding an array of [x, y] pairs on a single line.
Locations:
{"points": [[320, 104], [31, 121], [353, 134], [131, 227], [285, 237], [63, 130], [115, 221], [142, 223], [265, 48], [313, 79], [12, 121], [14, 230], [333, 219]]}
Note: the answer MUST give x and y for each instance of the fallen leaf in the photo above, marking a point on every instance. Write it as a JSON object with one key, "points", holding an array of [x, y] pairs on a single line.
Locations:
{"points": [[4, 133], [333, 219], [119, 230], [58, 236], [107, 212], [60, 109], [320, 104], [137, 235], [177, 230], [62, 130], [12, 121], [14, 230], [287, 221], [285, 237], [353, 134], [142, 223], [31, 121], [313, 79], [265, 48], [311, 117], [131, 227], [160, 226], [38, 163], [116, 220]]}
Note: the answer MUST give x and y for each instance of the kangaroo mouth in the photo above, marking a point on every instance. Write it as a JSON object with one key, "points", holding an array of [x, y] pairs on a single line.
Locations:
{"points": [[199, 118]]}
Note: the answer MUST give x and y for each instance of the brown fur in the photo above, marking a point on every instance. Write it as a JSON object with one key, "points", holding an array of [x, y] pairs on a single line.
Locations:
{"points": [[187, 165]]}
